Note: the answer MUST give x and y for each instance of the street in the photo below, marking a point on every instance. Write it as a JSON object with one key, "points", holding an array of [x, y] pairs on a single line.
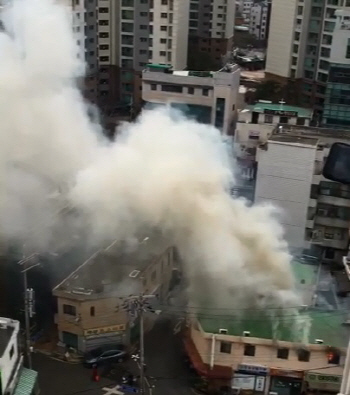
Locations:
{"points": [[164, 360]]}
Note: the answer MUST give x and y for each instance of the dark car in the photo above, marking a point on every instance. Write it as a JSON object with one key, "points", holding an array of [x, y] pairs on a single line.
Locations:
{"points": [[105, 355]]}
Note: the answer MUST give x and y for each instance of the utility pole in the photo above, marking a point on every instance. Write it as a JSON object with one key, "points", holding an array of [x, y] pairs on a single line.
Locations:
{"points": [[28, 305], [136, 306]]}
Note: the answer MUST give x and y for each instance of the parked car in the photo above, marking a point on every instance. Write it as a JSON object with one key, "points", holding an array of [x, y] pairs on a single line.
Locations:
{"points": [[105, 355]]}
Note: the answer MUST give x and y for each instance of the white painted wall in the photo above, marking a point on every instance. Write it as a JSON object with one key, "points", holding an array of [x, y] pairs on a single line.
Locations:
{"points": [[281, 37], [284, 180], [10, 358], [341, 35]]}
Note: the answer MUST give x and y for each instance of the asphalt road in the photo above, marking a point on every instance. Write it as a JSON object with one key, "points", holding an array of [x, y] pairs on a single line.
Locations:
{"points": [[60, 378], [163, 357]]}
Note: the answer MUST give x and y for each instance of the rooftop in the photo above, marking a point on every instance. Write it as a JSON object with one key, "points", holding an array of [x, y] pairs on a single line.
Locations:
{"points": [[7, 328], [284, 138], [166, 69], [262, 107], [115, 271], [328, 325]]}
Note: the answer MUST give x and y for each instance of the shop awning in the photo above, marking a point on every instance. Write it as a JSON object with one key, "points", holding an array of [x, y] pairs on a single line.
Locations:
{"points": [[26, 382]]}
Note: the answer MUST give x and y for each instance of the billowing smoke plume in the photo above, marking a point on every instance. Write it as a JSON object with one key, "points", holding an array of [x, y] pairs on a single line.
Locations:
{"points": [[164, 172]]}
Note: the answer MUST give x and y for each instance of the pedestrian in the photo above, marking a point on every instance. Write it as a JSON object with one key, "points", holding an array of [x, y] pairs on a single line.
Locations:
{"points": [[95, 375]]}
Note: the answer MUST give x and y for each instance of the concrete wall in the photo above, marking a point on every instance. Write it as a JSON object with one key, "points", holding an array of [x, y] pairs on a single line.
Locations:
{"points": [[284, 180]]}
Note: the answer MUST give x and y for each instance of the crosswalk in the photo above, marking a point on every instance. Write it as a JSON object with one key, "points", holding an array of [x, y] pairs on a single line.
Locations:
{"points": [[112, 390]]}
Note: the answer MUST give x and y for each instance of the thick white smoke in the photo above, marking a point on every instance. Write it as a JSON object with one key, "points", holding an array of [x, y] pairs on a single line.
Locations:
{"points": [[164, 172]]}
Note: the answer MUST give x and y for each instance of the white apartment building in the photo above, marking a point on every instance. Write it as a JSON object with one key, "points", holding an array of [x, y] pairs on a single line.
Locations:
{"points": [[258, 23], [169, 33], [246, 10], [14, 378], [10, 359], [300, 44], [315, 211], [209, 97]]}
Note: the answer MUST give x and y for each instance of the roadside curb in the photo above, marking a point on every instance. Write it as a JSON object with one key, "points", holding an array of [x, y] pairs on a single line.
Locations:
{"points": [[50, 355]]}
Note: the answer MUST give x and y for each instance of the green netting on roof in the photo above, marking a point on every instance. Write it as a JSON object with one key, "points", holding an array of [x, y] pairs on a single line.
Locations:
{"points": [[26, 382]]}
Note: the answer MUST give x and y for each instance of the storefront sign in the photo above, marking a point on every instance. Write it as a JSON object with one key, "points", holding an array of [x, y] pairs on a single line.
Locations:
{"points": [[107, 329], [281, 113], [253, 369], [260, 383], [244, 382], [249, 382], [297, 374], [323, 381]]}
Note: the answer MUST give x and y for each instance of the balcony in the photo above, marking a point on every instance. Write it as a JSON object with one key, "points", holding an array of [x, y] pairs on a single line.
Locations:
{"points": [[331, 222], [334, 200], [319, 239]]}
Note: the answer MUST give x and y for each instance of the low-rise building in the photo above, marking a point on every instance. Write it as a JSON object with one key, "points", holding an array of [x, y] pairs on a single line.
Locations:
{"points": [[209, 97], [89, 301], [262, 352], [14, 378]]}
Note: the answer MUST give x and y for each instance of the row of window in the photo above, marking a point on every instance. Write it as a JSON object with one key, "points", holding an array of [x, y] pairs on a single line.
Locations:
{"points": [[179, 89], [249, 351]]}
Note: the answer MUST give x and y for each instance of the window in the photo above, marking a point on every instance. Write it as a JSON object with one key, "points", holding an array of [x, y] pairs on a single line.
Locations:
{"points": [[143, 51], [282, 353], [12, 351], [103, 10], [190, 91], [333, 358], [163, 28], [143, 39], [205, 92], [268, 118], [103, 35], [70, 310], [153, 87], [348, 50], [164, 2], [169, 56], [103, 22], [127, 14], [104, 46], [128, 27], [164, 15], [225, 347], [172, 88], [127, 40], [143, 27], [92, 311], [104, 58], [249, 350], [325, 52], [162, 53], [303, 355], [143, 13], [127, 3], [163, 40]]}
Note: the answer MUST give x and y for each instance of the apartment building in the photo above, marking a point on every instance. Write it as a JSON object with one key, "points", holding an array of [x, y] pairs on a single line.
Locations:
{"points": [[256, 123], [315, 210], [252, 352], [211, 25], [14, 378], [337, 104], [208, 97], [300, 44], [258, 20], [89, 301]]}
